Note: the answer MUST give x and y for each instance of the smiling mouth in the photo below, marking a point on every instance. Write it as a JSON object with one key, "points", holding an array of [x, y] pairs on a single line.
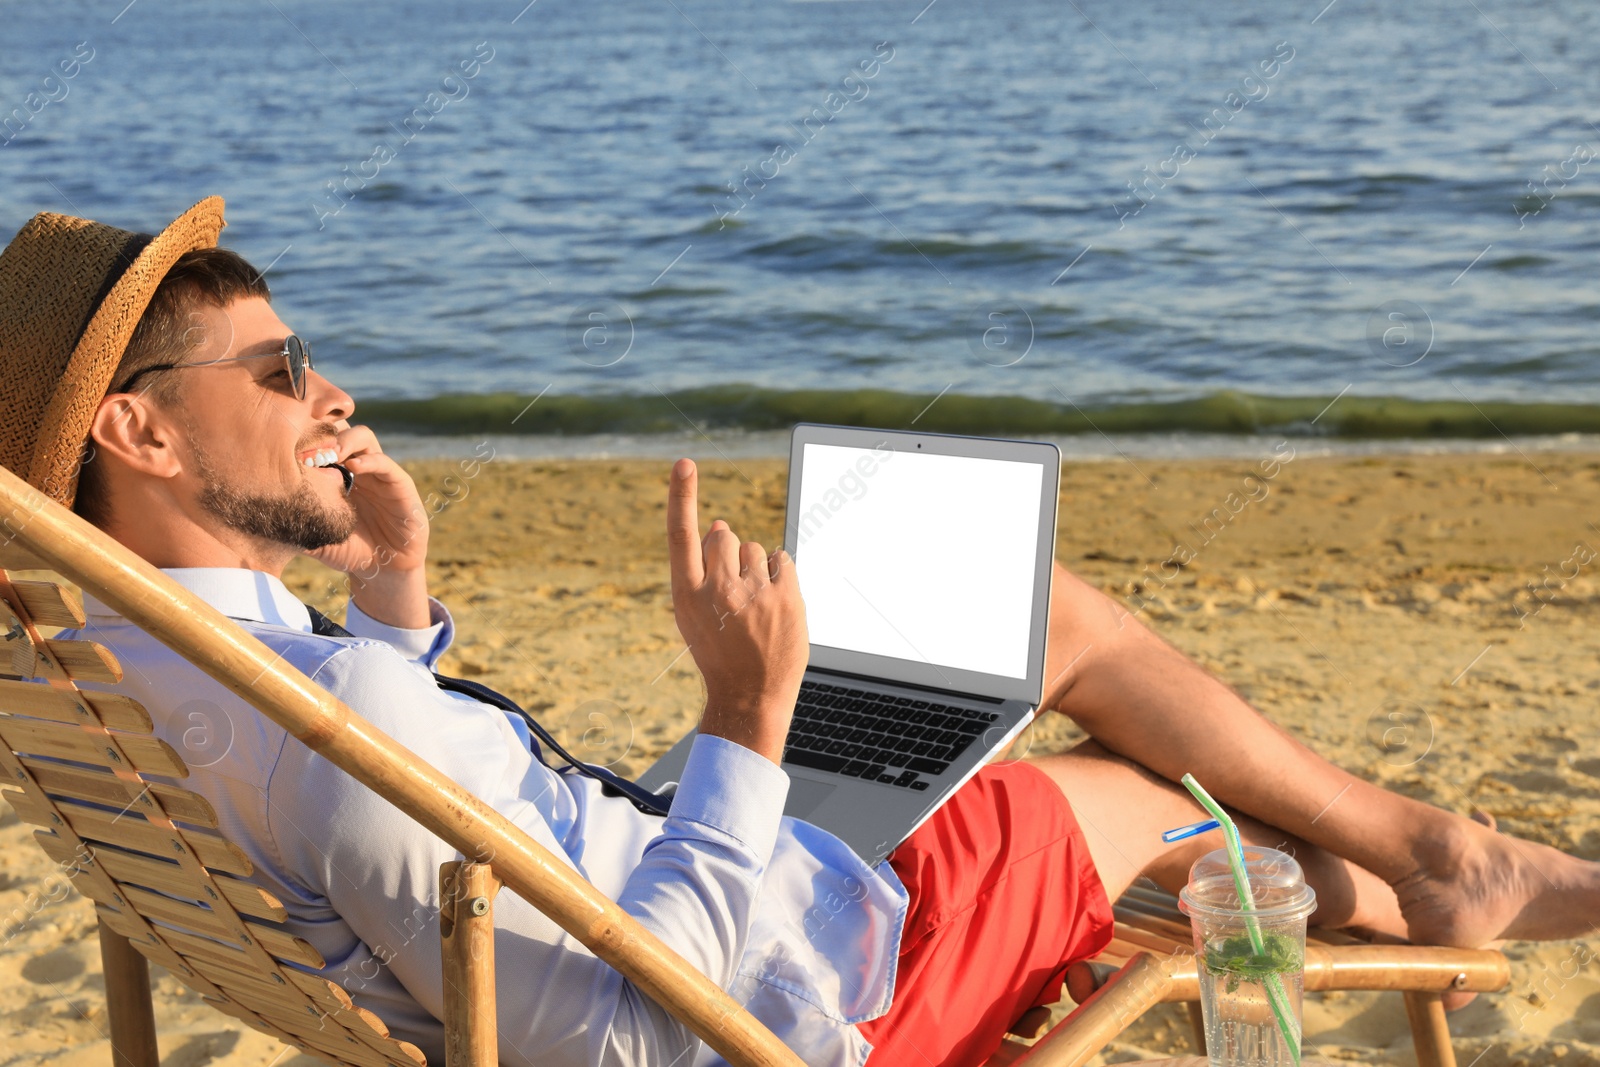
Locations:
{"points": [[321, 457], [329, 458]]}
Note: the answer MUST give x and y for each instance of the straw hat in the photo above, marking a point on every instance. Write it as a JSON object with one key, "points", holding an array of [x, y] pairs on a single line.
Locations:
{"points": [[71, 292]]}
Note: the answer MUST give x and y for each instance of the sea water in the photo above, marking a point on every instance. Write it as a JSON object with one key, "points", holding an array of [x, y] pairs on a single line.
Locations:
{"points": [[959, 246]]}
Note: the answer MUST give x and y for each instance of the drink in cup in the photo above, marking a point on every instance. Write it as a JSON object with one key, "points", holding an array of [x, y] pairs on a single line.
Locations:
{"points": [[1251, 962]]}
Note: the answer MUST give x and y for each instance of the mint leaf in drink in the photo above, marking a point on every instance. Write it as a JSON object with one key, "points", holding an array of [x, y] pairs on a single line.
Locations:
{"points": [[1238, 960]]}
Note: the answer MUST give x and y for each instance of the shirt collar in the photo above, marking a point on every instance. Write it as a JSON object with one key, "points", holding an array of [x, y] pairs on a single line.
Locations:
{"points": [[234, 591]]}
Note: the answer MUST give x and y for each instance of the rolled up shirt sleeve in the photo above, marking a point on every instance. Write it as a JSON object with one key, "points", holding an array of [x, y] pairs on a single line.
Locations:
{"points": [[692, 879], [422, 647]]}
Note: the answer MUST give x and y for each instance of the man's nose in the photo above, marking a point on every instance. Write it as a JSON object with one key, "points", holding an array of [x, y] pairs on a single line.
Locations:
{"points": [[328, 401]]}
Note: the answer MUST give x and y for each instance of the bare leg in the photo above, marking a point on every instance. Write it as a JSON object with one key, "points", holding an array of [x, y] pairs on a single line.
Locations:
{"points": [[1123, 808], [1458, 883]]}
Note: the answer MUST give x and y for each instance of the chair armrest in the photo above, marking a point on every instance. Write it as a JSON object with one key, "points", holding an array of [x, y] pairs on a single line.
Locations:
{"points": [[1141, 983]]}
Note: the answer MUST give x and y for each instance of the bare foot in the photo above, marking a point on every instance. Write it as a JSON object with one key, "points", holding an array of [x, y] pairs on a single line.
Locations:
{"points": [[1474, 885], [1452, 1000]]}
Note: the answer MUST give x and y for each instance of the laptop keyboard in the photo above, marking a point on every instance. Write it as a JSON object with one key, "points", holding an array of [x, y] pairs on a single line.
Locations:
{"points": [[880, 738]]}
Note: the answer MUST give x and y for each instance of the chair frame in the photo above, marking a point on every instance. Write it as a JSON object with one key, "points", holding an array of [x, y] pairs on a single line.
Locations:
{"points": [[1153, 943], [40, 534]]}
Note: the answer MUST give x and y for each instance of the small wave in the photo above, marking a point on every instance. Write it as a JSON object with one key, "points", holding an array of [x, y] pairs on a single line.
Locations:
{"points": [[673, 292], [1358, 182], [1522, 262], [751, 408], [853, 252], [988, 251]]}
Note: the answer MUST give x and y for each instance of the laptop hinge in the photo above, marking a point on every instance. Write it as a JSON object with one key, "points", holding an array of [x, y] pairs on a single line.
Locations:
{"points": [[906, 685]]}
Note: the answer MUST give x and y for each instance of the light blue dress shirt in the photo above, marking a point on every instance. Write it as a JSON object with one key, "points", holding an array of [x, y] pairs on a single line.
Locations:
{"points": [[781, 914]]}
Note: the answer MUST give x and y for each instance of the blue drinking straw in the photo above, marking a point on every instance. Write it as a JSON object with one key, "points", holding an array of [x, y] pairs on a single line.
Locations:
{"points": [[1194, 829]]}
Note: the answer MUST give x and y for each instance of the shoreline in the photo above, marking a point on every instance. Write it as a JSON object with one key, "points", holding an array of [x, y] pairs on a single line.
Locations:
{"points": [[1089, 447]]}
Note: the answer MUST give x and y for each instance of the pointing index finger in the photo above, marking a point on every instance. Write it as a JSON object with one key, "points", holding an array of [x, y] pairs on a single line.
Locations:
{"points": [[683, 525]]}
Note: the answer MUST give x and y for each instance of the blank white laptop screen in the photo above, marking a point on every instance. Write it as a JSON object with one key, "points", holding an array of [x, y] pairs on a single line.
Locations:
{"points": [[919, 557]]}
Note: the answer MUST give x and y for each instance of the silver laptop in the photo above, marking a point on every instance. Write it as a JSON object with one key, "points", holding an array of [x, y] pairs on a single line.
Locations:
{"points": [[925, 564]]}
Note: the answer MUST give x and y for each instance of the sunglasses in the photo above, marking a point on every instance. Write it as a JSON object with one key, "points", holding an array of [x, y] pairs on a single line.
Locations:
{"points": [[296, 354]]}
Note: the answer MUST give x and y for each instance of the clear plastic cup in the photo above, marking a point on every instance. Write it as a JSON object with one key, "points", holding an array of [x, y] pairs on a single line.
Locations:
{"points": [[1236, 981]]}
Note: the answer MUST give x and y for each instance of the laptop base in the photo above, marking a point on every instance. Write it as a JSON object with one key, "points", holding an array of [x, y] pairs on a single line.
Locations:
{"points": [[871, 817]]}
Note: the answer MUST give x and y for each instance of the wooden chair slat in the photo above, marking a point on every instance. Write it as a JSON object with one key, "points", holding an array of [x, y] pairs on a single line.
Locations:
{"points": [[280, 1006], [1136, 915], [332, 1044], [317, 988], [193, 946], [329, 997], [18, 656], [1156, 915], [288, 1013], [77, 783], [93, 888], [48, 603], [85, 661], [121, 924], [1119, 951], [228, 1007], [1317, 935], [1151, 941], [204, 921], [148, 755], [239, 970], [1151, 901], [133, 832], [323, 1032], [258, 992], [134, 868], [59, 705], [163, 956], [413, 1055], [393, 1051], [1148, 891], [343, 1047], [119, 712], [368, 1029], [389, 1052], [359, 1019]]}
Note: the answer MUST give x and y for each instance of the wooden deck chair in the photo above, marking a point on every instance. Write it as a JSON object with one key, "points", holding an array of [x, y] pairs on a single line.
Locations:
{"points": [[168, 888]]}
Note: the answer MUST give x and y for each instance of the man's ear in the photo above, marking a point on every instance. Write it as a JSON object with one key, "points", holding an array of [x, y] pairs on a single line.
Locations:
{"points": [[133, 430]]}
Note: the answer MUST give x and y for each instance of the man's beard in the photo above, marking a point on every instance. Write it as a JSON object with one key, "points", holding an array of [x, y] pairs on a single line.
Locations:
{"points": [[297, 518]]}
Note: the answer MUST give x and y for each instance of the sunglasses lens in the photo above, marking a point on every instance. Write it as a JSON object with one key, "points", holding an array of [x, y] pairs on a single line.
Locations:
{"points": [[299, 355]]}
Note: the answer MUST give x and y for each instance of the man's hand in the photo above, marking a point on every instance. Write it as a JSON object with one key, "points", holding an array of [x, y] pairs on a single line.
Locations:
{"points": [[386, 556], [741, 613]]}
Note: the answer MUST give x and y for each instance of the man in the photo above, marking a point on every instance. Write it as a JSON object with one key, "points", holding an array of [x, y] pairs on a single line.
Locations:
{"points": [[213, 450]]}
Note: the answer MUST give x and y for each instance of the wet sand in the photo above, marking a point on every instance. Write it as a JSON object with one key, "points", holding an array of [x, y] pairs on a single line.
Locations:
{"points": [[1427, 622]]}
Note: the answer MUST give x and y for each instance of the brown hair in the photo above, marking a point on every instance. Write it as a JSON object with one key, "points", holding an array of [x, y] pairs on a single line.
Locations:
{"points": [[206, 277]]}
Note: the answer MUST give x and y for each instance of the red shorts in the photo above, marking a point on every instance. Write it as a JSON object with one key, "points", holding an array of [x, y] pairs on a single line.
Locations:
{"points": [[1004, 898]]}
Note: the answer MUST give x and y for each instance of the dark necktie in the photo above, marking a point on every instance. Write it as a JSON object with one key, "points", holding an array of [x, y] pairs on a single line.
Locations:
{"points": [[612, 784]]}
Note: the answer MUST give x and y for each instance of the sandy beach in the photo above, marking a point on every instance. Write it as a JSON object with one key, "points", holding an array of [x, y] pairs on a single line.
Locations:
{"points": [[1428, 622]]}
